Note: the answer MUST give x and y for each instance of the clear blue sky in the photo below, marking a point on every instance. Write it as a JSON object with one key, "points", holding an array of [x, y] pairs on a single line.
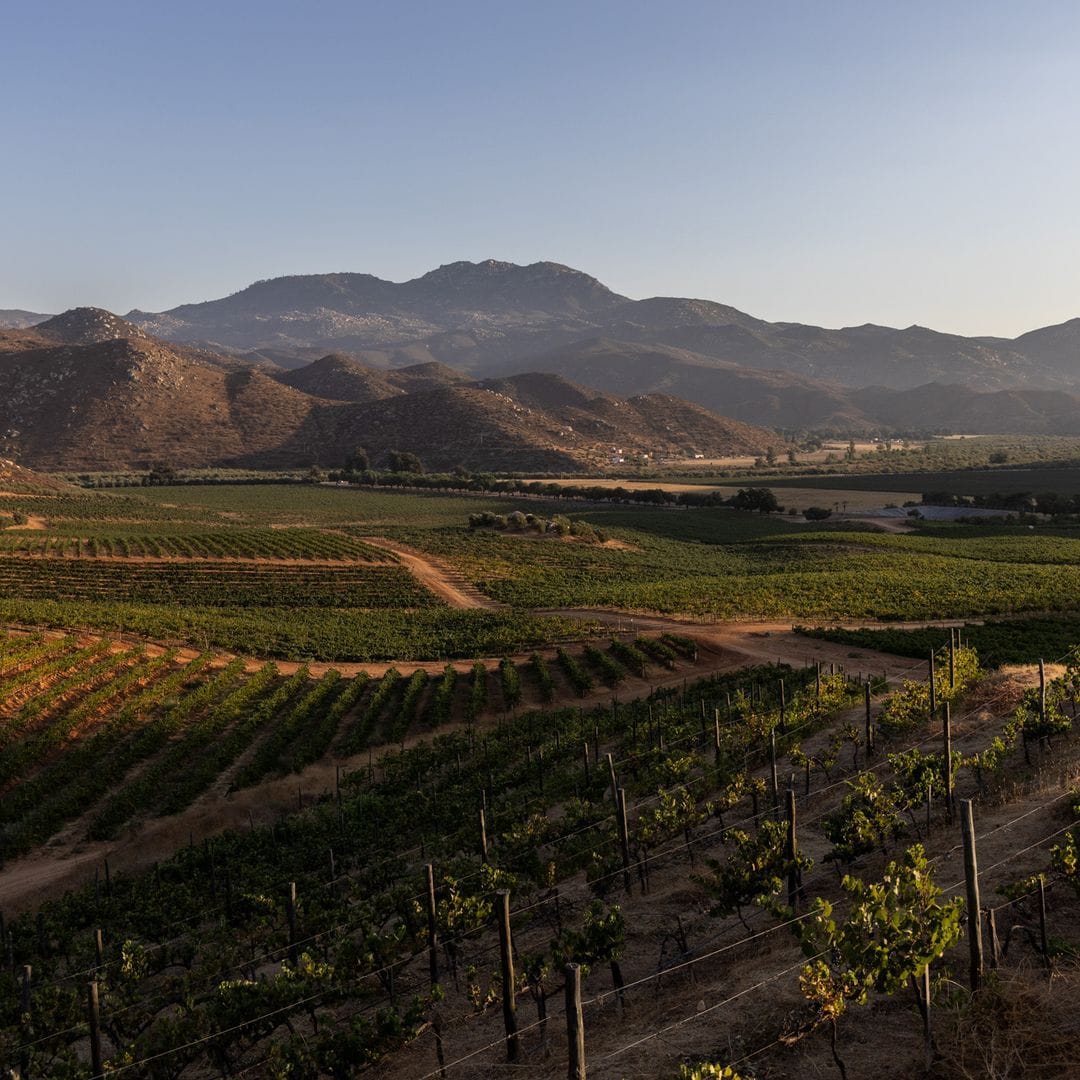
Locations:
{"points": [[822, 161]]}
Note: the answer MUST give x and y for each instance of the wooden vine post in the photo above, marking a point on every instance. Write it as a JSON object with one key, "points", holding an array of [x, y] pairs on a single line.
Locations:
{"points": [[509, 986], [971, 875], [290, 914], [93, 1015], [772, 771], [483, 836], [575, 1024], [791, 854], [624, 838], [1042, 693], [783, 709], [948, 764], [869, 722], [933, 688], [433, 926]]}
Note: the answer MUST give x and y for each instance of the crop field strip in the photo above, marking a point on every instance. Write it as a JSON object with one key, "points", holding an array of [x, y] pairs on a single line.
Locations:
{"points": [[330, 922], [153, 735], [210, 584], [77, 541]]}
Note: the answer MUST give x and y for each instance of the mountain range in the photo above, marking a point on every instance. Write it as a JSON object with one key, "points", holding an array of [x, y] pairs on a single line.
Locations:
{"points": [[495, 318], [88, 390], [469, 322]]}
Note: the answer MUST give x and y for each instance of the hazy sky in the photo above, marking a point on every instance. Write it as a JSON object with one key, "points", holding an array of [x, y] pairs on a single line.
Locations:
{"points": [[819, 161]]}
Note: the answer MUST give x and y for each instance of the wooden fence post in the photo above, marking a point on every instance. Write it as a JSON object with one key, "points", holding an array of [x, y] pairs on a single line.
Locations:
{"points": [[624, 838], [933, 688], [509, 987], [971, 875], [794, 882], [772, 771], [869, 723], [575, 1024], [93, 1012], [948, 769], [433, 926], [290, 914]]}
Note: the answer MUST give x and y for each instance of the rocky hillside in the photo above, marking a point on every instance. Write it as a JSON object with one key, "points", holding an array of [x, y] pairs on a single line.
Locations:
{"points": [[544, 422], [341, 378], [492, 318], [15, 480], [79, 399]]}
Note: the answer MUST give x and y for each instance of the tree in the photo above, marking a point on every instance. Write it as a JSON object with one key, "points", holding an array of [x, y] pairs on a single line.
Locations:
{"points": [[357, 461], [770, 456], [161, 473], [817, 513], [403, 461], [849, 454], [760, 499]]}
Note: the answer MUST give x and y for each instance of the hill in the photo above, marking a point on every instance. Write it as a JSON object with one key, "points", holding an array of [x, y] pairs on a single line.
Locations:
{"points": [[538, 422], [15, 480], [79, 399], [76, 400], [493, 318], [341, 378]]}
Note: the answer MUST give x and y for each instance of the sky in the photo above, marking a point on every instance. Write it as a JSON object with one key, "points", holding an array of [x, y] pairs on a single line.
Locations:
{"points": [[821, 161]]}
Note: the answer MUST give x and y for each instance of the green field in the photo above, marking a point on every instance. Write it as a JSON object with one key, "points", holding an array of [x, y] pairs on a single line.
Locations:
{"points": [[1013, 641], [1064, 479], [168, 563]]}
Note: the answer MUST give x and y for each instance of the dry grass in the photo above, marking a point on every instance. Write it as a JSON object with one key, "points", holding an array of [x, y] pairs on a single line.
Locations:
{"points": [[1020, 1024]]}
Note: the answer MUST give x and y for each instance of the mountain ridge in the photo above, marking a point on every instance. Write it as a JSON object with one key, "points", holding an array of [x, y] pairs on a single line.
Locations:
{"points": [[492, 317]]}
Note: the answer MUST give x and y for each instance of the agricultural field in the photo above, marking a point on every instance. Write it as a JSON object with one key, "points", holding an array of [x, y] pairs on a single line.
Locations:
{"points": [[92, 724], [998, 642], [264, 712], [361, 932], [258, 569], [1064, 479]]}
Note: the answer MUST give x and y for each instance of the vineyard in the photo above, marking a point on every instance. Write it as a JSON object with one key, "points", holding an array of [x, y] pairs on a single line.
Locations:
{"points": [[97, 735], [1003, 641], [601, 849], [148, 542], [723, 873], [288, 572]]}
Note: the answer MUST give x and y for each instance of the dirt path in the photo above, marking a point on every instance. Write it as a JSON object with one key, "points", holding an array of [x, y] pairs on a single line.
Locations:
{"points": [[436, 576]]}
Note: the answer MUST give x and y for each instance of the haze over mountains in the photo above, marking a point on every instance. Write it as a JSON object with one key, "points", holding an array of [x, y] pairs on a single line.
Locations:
{"points": [[427, 348]]}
